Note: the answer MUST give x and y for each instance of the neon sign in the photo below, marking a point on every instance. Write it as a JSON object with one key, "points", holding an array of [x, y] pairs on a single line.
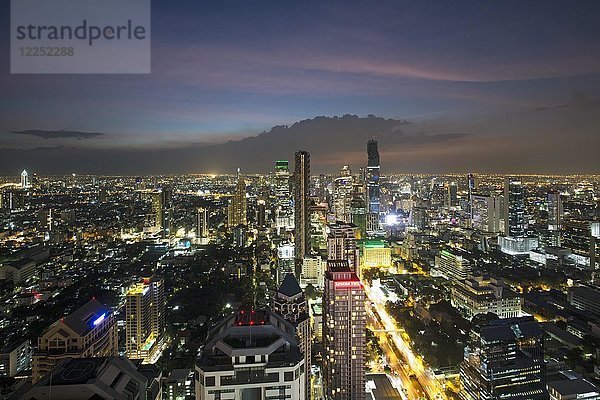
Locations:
{"points": [[99, 319], [347, 285]]}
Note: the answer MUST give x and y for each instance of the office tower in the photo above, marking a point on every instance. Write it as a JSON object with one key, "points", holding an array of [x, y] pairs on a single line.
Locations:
{"points": [[373, 190], [285, 261], [342, 195], [290, 303], [555, 215], [284, 214], [236, 211], [582, 238], [471, 188], [344, 333], [90, 331], [313, 271], [202, 223], [358, 215], [341, 244], [419, 218], [24, 180], [452, 264], [486, 213], [515, 240], [145, 319], [97, 378], [504, 360], [514, 208], [482, 295], [162, 210], [451, 198], [252, 354], [261, 213], [301, 204]]}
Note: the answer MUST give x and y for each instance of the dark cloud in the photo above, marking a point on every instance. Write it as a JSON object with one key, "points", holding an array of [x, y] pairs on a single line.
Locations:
{"points": [[60, 134]]}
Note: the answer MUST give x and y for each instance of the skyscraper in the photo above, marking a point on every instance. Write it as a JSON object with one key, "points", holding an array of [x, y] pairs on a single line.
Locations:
{"points": [[344, 333], [486, 213], [236, 211], [555, 215], [341, 244], [162, 210], [504, 360], [202, 223], [145, 319], [24, 180], [373, 190], [514, 208], [301, 203], [291, 304], [284, 215], [515, 239]]}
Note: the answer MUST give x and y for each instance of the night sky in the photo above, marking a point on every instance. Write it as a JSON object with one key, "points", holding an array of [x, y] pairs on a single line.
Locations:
{"points": [[502, 86]]}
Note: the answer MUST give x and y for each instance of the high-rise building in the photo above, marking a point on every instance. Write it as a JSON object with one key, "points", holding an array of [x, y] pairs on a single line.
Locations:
{"points": [[24, 180], [373, 190], [261, 213], [555, 215], [237, 209], [376, 254], [313, 271], [284, 214], [341, 244], [581, 237], [358, 214], [452, 264], [90, 331], [145, 319], [15, 356], [451, 198], [291, 304], [344, 333], [202, 223], [252, 354], [504, 360], [342, 195], [516, 239], [514, 208], [301, 205], [162, 210], [486, 213]]}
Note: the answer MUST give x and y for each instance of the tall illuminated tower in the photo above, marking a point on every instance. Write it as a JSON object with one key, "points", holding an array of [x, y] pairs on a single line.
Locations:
{"points": [[24, 180], [373, 190], [301, 199], [514, 208], [344, 333], [236, 211], [555, 211], [145, 319], [283, 208]]}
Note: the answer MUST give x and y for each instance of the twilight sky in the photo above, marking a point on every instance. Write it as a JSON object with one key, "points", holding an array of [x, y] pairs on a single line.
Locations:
{"points": [[512, 86]]}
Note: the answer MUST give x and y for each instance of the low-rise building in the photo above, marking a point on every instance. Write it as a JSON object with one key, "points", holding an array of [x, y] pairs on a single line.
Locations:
{"points": [[480, 295]]}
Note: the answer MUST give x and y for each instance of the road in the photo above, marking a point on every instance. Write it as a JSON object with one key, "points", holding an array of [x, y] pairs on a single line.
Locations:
{"points": [[423, 381]]}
